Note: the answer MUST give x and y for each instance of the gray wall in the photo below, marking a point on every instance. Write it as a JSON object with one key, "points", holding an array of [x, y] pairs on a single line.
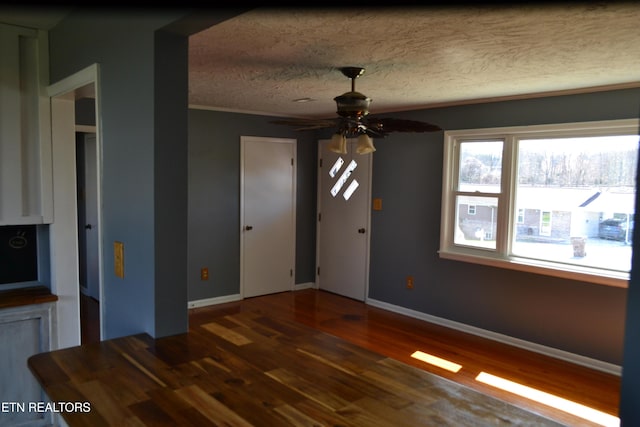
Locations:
{"points": [[214, 199], [143, 107], [581, 318], [577, 317]]}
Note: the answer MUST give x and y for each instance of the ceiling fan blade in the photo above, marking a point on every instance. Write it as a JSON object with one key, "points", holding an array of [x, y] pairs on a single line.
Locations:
{"points": [[384, 126], [308, 124]]}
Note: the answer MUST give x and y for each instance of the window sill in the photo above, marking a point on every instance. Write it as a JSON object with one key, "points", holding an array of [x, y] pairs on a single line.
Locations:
{"points": [[591, 275]]}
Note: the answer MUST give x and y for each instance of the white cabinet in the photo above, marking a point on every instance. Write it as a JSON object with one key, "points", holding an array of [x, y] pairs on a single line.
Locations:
{"points": [[25, 147], [24, 331]]}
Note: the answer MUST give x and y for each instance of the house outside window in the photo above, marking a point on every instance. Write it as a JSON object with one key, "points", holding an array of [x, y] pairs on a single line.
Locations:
{"points": [[536, 191]]}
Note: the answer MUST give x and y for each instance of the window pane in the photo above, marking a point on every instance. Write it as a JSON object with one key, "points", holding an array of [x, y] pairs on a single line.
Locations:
{"points": [[576, 200], [480, 166], [477, 229], [343, 178], [336, 167]]}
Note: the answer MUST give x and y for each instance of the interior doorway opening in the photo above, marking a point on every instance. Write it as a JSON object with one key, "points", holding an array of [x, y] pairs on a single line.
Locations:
{"points": [[64, 233], [88, 226]]}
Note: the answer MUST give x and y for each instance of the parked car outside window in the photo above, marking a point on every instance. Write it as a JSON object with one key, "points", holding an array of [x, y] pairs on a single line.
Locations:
{"points": [[615, 229]]}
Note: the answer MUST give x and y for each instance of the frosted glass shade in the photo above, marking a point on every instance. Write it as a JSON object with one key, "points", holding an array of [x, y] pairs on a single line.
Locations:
{"points": [[365, 144]]}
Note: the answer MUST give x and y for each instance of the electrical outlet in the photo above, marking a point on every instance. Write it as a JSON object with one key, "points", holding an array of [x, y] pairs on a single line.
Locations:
{"points": [[204, 273], [409, 282]]}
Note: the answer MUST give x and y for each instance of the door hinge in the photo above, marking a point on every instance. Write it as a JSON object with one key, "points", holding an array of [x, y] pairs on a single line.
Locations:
{"points": [[292, 161], [319, 217], [291, 272], [320, 162], [318, 272]]}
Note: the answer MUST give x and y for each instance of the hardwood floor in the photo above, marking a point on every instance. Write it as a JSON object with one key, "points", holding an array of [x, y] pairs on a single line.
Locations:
{"points": [[398, 336], [89, 319], [250, 369]]}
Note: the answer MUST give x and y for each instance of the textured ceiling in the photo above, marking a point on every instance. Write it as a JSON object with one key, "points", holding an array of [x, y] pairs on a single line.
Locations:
{"points": [[418, 57], [414, 58]]}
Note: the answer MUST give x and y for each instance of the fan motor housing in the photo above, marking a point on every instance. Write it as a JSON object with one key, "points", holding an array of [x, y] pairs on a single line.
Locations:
{"points": [[352, 104]]}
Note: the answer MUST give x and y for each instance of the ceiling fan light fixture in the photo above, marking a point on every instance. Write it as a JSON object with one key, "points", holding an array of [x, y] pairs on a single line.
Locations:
{"points": [[352, 109], [338, 144], [365, 144]]}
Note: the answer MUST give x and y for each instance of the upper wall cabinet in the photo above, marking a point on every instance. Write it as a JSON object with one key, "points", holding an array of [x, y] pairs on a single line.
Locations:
{"points": [[25, 147]]}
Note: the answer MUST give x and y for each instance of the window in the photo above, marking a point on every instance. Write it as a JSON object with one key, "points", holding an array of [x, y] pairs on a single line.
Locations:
{"points": [[551, 199], [340, 182]]}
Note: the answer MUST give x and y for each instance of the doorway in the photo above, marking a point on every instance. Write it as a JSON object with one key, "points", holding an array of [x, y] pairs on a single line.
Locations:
{"points": [[64, 231], [344, 197], [267, 215], [88, 242]]}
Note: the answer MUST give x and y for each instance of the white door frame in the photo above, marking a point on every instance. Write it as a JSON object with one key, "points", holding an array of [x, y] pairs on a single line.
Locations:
{"points": [[243, 140], [64, 228]]}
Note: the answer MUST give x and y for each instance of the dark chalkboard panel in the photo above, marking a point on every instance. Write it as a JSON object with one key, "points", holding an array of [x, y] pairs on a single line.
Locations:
{"points": [[18, 254]]}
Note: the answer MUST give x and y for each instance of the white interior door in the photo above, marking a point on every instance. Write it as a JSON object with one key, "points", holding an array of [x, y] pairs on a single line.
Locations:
{"points": [[267, 215], [344, 195]]}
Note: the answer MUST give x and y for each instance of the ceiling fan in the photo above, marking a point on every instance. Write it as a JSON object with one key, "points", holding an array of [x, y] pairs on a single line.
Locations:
{"points": [[353, 108]]}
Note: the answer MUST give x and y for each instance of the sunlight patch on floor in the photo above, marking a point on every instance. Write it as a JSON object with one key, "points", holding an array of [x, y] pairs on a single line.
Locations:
{"points": [[436, 361], [556, 402]]}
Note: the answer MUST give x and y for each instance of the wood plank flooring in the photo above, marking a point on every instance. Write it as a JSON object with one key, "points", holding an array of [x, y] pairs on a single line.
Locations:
{"points": [[385, 333], [399, 336], [251, 369]]}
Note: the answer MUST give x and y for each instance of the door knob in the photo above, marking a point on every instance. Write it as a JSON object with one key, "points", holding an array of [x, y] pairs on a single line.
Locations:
{"points": [[248, 227], [361, 230], [87, 227]]}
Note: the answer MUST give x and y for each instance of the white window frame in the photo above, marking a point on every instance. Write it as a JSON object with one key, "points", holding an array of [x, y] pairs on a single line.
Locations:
{"points": [[506, 217]]}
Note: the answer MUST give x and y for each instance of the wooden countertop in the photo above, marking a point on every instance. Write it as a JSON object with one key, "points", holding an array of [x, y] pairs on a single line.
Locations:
{"points": [[26, 296]]}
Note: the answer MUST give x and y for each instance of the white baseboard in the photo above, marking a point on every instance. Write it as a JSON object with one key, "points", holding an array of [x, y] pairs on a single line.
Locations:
{"points": [[599, 365], [213, 301], [308, 285], [237, 297]]}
